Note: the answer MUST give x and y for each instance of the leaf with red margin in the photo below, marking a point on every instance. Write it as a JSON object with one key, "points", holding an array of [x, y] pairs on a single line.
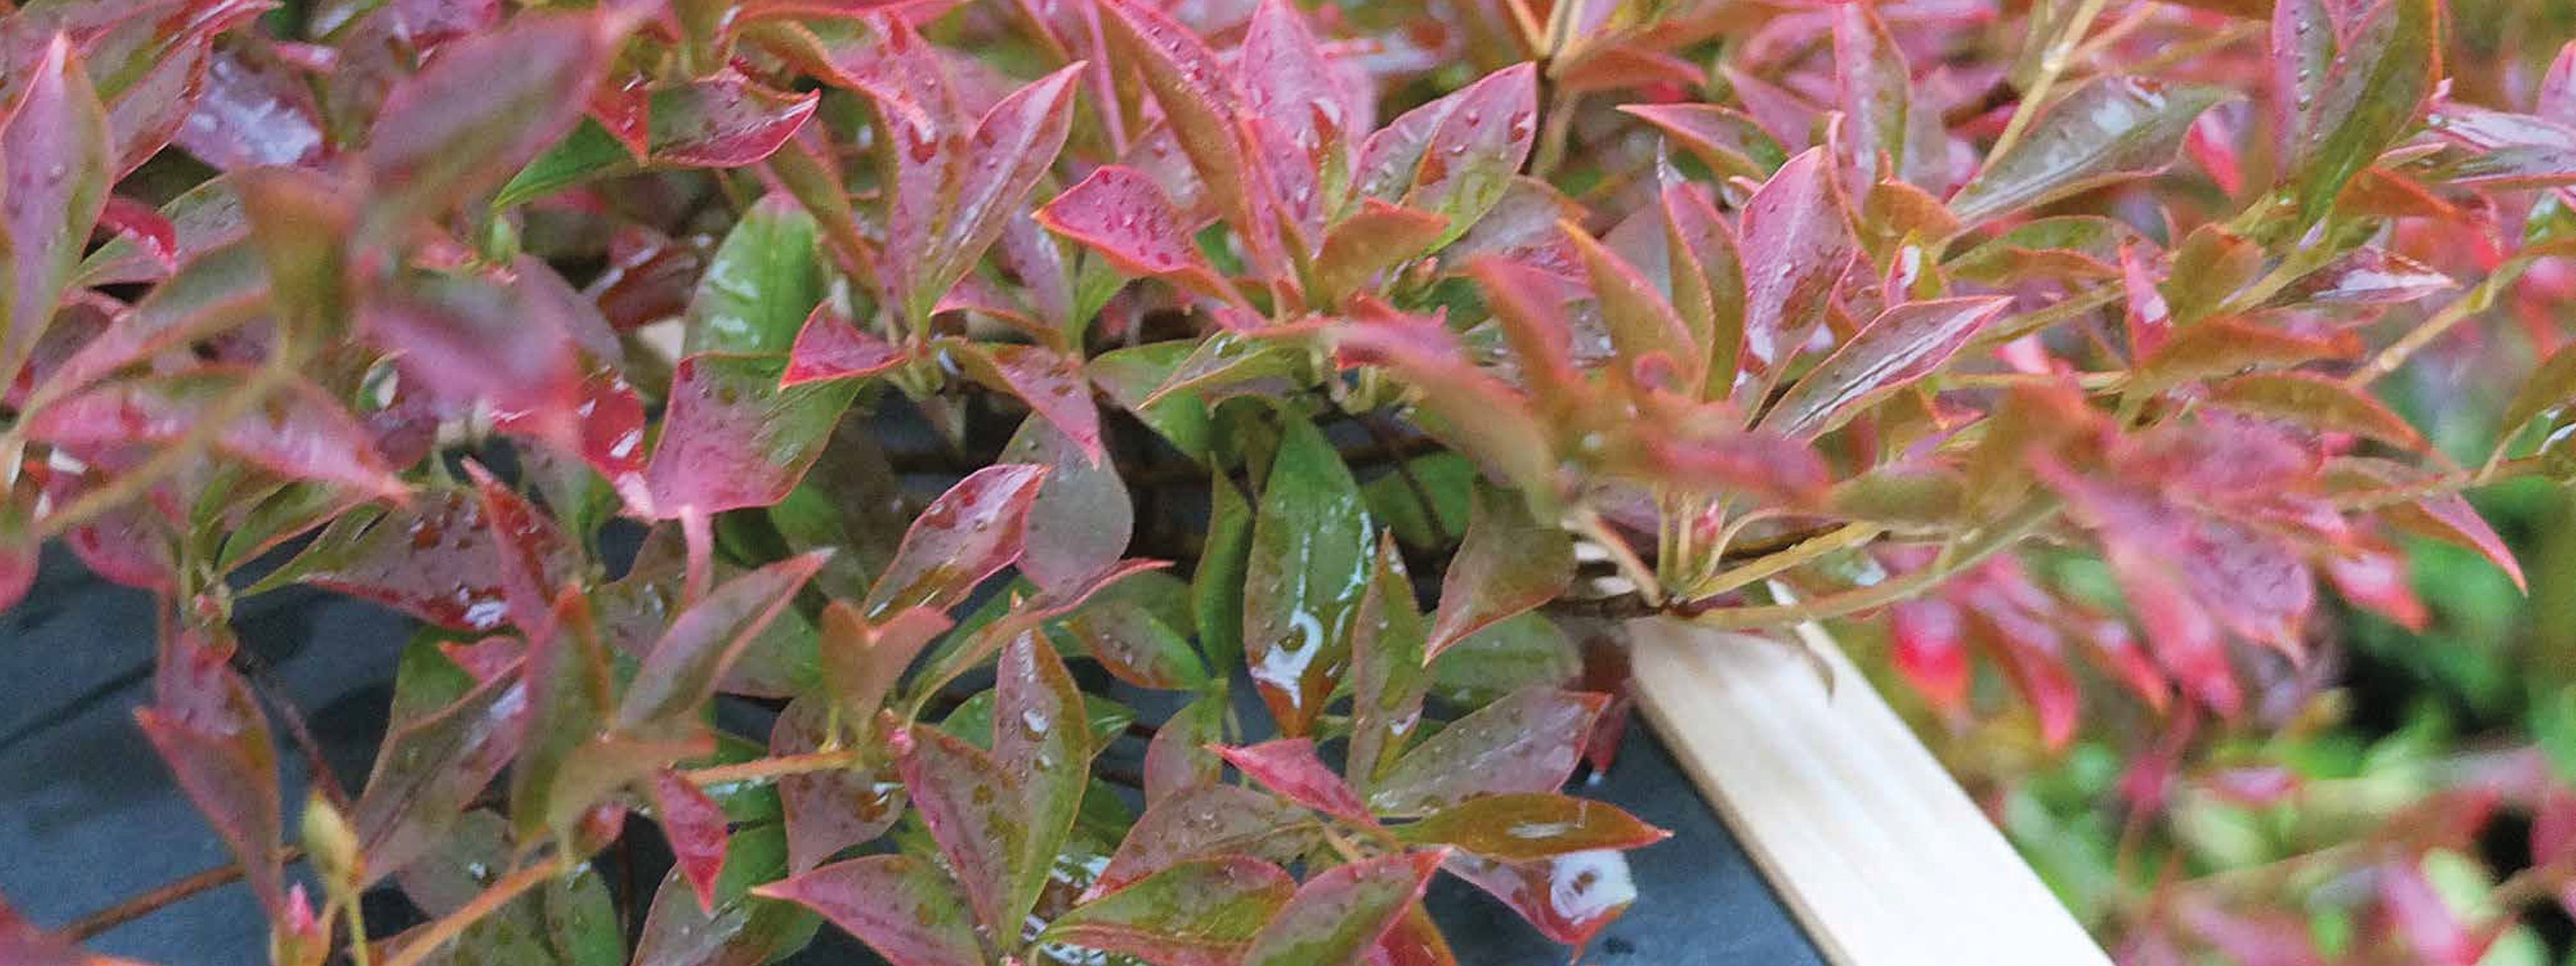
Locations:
{"points": [[2225, 345], [1876, 89], [828, 811], [22, 945], [1528, 741], [862, 661], [1509, 563], [482, 109], [2106, 130], [969, 533], [1303, 116], [1290, 767], [1013, 146], [1902, 345], [1530, 826], [1479, 414], [1414, 940], [1043, 741], [1203, 912], [2368, 275], [724, 121], [467, 339], [1569, 897], [434, 558], [683, 668], [1123, 215], [201, 219], [1052, 386], [1209, 820], [431, 767], [298, 432], [252, 111], [1722, 138], [829, 347], [54, 166], [1337, 916], [904, 908], [2186, 642], [1796, 244], [209, 730], [1177, 758], [695, 827], [973, 809], [1199, 98], [733, 438], [1390, 669], [1471, 156], [1707, 283], [1309, 564], [1633, 309], [1929, 650]]}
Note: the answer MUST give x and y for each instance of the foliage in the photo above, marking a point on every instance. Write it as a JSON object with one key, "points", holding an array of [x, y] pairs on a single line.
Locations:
{"points": [[1369, 354]]}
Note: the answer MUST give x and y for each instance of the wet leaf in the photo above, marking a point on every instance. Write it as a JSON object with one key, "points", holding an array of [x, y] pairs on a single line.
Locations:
{"points": [[483, 109], [55, 162], [1206, 821], [829, 347], [1528, 742], [209, 730], [762, 284], [297, 431], [1042, 740], [829, 811], [1051, 385], [2106, 130], [902, 907], [431, 766], [1011, 149], [1509, 563], [1308, 566], [1531, 826], [1795, 245], [1336, 917], [1569, 897], [681, 671], [1388, 676], [723, 121], [734, 438], [1177, 758], [2368, 98], [969, 533], [1478, 138], [1198, 95], [1904, 344], [1376, 238], [695, 827], [974, 810], [1124, 216], [744, 929], [1202, 912], [1290, 767], [1727, 141]]}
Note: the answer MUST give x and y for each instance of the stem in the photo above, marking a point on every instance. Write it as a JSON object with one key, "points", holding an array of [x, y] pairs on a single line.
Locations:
{"points": [[160, 897], [2392, 358], [1884, 592], [771, 769], [438, 934], [2051, 64], [2441, 483]]}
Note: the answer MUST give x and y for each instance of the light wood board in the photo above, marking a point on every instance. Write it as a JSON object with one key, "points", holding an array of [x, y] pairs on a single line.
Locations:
{"points": [[1882, 857]]}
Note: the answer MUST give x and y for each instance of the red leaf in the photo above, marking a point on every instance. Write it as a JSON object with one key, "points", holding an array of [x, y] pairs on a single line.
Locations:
{"points": [[826, 812], [829, 347], [902, 907], [1289, 767], [1414, 940], [1013, 146], [1082, 520], [2181, 633], [974, 811], [1177, 758], [209, 730], [2434, 934], [1123, 215], [1929, 651], [470, 340], [429, 768], [733, 438], [1455, 156], [1529, 741], [253, 112], [970, 532], [22, 945], [484, 107], [298, 432], [1051, 385], [724, 121], [150, 231], [1338, 915], [695, 826], [436, 559], [1199, 100], [1569, 897], [1796, 244], [1302, 115]]}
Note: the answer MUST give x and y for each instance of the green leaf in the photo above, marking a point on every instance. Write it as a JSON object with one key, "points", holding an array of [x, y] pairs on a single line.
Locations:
{"points": [[1199, 911], [587, 153], [2367, 101], [2108, 129], [1528, 742], [743, 929], [680, 673], [1309, 564], [1041, 738], [1730, 143], [975, 811], [1388, 679], [1217, 589], [763, 282], [1532, 826], [1130, 376], [1450, 479], [2318, 402], [1520, 652]]}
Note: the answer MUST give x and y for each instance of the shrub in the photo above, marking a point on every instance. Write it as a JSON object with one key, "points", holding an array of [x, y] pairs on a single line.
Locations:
{"points": [[1373, 354]]}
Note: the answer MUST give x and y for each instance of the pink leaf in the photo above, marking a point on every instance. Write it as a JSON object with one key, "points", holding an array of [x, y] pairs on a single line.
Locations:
{"points": [[1199, 100], [695, 826], [829, 347], [209, 730], [298, 432], [724, 121], [1051, 385], [734, 438], [1338, 915], [682, 670], [1796, 244], [253, 112], [1082, 520], [1013, 146], [1528, 741], [54, 166], [970, 532], [974, 811], [1569, 897], [826, 812], [1209, 820], [1121, 214], [1904, 344], [484, 107], [1289, 767]]}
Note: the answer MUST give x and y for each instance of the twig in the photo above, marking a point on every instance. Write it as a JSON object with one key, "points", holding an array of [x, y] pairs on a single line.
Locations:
{"points": [[437, 934], [160, 897], [263, 679]]}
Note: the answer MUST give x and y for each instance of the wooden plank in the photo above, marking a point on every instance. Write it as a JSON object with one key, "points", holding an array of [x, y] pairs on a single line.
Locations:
{"points": [[1882, 857]]}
